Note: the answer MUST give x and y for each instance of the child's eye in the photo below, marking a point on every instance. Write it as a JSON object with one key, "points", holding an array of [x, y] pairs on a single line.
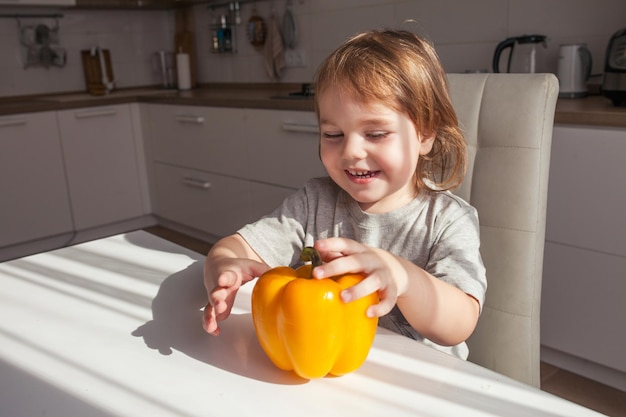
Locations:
{"points": [[377, 135], [332, 135]]}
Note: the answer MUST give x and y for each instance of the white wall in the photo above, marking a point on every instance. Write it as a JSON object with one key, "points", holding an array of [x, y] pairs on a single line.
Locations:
{"points": [[131, 36], [465, 34]]}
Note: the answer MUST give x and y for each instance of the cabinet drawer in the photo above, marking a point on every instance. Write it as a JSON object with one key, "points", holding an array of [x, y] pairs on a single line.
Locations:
{"points": [[582, 304], [208, 202], [204, 138], [266, 197], [284, 147]]}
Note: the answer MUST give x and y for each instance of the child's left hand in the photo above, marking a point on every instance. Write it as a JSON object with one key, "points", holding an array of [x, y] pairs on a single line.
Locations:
{"points": [[384, 272]]}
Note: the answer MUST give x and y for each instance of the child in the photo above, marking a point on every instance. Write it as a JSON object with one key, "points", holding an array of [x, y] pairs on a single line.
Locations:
{"points": [[390, 142]]}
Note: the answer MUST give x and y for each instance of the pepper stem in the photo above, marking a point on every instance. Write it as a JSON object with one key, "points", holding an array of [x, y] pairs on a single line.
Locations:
{"points": [[310, 254]]}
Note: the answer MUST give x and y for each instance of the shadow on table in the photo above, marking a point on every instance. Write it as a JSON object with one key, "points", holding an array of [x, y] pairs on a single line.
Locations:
{"points": [[176, 325], [26, 394]]}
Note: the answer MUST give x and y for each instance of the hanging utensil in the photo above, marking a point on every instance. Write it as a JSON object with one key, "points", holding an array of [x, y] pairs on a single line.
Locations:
{"points": [[257, 30], [46, 56], [59, 57], [290, 32], [42, 34], [27, 35], [32, 56]]}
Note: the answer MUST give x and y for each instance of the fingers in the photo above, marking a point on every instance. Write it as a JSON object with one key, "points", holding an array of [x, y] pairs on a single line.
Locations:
{"points": [[209, 320], [336, 253], [335, 247], [373, 284], [222, 296], [345, 256]]}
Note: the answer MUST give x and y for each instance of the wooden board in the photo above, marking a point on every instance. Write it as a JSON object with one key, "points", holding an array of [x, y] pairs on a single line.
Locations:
{"points": [[93, 71]]}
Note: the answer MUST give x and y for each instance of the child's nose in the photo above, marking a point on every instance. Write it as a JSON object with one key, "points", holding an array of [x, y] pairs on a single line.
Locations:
{"points": [[354, 147]]}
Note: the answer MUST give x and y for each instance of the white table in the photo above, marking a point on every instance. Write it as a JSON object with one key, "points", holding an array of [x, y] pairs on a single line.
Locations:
{"points": [[112, 328]]}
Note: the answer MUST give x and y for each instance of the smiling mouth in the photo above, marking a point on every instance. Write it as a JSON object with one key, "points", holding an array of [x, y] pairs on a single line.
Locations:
{"points": [[362, 174]]}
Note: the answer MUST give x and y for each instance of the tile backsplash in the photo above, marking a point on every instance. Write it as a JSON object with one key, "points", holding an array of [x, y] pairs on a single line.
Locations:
{"points": [[465, 34], [132, 38]]}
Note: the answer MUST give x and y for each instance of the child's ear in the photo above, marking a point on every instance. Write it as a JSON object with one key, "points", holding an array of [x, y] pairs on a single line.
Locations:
{"points": [[427, 139]]}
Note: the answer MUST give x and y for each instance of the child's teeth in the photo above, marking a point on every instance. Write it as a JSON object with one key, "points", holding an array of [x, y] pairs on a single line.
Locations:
{"points": [[360, 173]]}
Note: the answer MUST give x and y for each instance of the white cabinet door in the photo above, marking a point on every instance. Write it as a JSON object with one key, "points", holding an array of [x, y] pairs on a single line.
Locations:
{"points": [[35, 201], [211, 139], [101, 163], [265, 198], [582, 305], [587, 190], [211, 203], [283, 147], [584, 274], [252, 159]]}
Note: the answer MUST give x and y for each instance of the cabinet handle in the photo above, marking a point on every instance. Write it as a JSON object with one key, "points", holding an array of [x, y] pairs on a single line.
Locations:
{"points": [[297, 127], [12, 122], [94, 113], [197, 182], [190, 118]]}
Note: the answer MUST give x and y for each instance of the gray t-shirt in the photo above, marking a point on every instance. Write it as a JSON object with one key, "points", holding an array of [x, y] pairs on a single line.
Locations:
{"points": [[437, 231]]}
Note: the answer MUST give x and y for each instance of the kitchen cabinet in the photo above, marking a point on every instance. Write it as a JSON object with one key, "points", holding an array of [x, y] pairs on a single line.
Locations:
{"points": [[34, 203], [199, 170], [216, 169], [215, 204], [103, 171], [205, 138], [584, 278], [284, 147]]}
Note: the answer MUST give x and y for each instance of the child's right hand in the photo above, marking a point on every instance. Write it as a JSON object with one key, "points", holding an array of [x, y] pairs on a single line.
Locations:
{"points": [[224, 273]]}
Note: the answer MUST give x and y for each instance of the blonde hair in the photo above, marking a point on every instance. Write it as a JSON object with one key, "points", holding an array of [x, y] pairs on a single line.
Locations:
{"points": [[402, 71]]}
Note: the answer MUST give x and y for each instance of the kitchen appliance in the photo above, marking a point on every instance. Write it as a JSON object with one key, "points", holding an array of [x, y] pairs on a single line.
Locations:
{"points": [[574, 70], [526, 54], [614, 84]]}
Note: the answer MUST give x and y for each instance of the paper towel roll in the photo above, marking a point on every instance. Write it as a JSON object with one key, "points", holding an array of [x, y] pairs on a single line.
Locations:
{"points": [[183, 70]]}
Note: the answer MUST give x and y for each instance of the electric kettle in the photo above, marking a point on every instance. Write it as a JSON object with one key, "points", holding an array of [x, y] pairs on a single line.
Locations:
{"points": [[527, 54], [574, 70]]}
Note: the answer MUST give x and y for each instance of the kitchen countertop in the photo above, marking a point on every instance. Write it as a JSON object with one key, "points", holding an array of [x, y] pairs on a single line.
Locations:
{"points": [[259, 96], [593, 110]]}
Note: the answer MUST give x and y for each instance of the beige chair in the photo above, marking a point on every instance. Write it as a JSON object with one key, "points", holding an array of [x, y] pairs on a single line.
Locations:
{"points": [[507, 120]]}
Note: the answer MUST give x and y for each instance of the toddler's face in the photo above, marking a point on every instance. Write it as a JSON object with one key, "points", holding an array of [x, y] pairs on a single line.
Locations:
{"points": [[370, 150]]}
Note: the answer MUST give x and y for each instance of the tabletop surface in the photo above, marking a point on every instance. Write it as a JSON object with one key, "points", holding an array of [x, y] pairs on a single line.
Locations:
{"points": [[112, 328]]}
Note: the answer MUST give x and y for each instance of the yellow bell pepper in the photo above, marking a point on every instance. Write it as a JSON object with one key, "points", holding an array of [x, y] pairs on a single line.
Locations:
{"points": [[302, 324]]}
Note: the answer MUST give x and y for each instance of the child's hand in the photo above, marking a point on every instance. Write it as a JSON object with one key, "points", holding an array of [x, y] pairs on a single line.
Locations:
{"points": [[222, 279], [384, 272]]}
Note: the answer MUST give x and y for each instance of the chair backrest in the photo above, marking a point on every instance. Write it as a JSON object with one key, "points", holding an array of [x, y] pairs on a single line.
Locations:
{"points": [[507, 120]]}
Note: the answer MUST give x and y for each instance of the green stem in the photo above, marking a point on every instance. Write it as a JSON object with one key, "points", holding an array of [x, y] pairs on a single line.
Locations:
{"points": [[310, 254]]}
